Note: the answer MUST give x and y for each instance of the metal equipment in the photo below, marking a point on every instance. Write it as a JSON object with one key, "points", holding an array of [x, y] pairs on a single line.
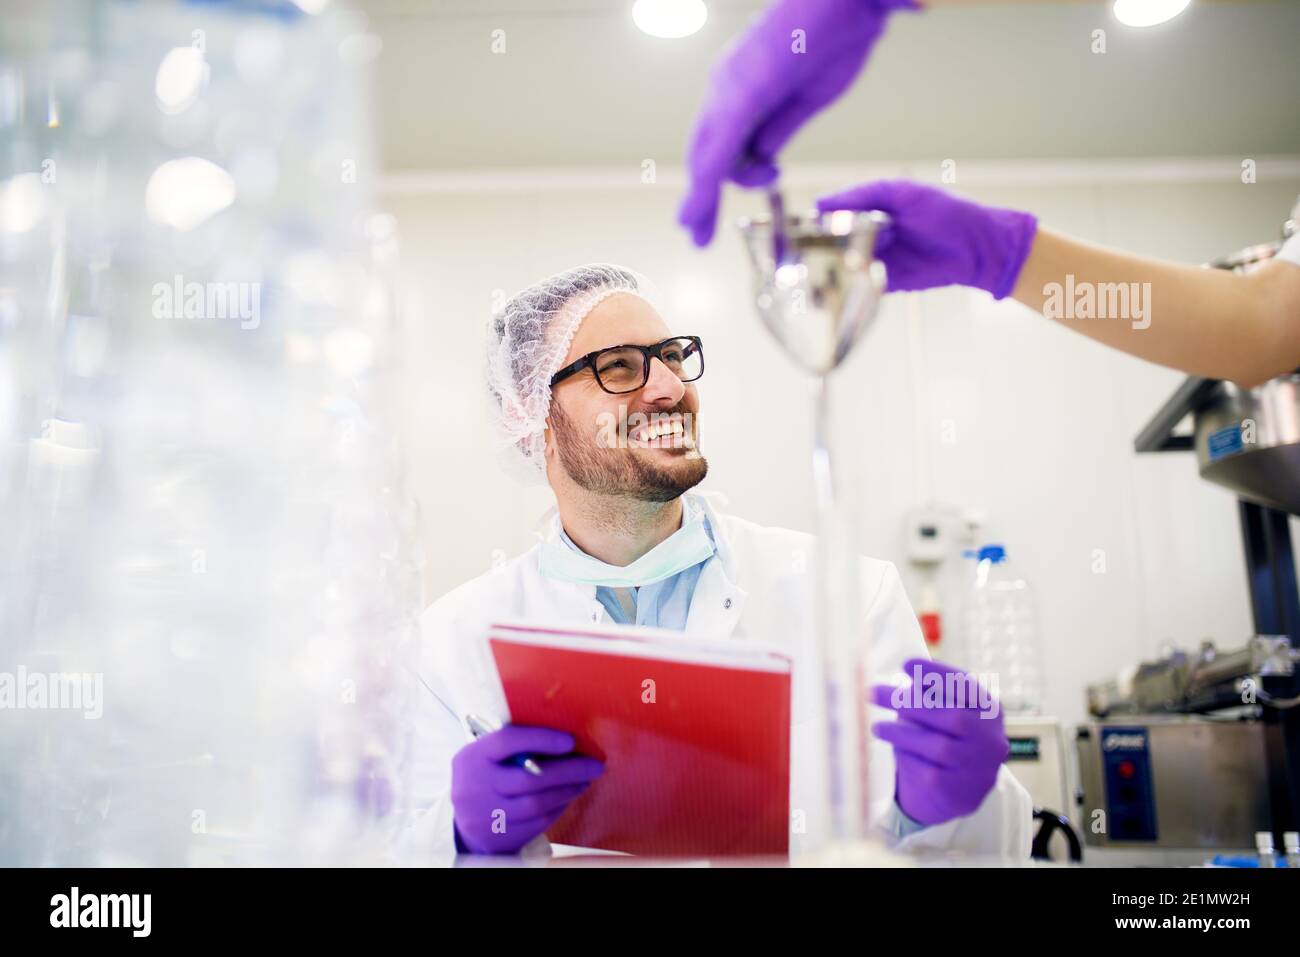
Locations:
{"points": [[1173, 782], [1040, 761], [1202, 750], [1179, 755]]}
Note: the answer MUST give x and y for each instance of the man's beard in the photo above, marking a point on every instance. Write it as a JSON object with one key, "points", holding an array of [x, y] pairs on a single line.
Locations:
{"points": [[615, 471]]}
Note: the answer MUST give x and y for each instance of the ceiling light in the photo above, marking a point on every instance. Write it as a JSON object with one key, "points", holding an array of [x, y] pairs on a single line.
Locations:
{"points": [[1147, 13], [669, 19]]}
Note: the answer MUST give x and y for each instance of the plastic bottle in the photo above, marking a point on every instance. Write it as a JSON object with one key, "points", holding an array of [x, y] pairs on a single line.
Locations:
{"points": [[1264, 847], [1000, 633], [1291, 844]]}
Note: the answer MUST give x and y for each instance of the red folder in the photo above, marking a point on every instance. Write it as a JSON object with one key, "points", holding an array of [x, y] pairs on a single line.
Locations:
{"points": [[695, 736]]}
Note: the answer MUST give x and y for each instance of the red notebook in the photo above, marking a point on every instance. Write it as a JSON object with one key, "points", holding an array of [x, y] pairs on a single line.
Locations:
{"points": [[695, 735]]}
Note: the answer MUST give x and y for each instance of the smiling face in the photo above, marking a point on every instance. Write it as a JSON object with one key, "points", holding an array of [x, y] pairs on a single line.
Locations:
{"points": [[640, 444]]}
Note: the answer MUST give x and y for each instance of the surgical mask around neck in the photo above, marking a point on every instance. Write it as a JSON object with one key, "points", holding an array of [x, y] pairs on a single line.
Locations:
{"points": [[683, 549]]}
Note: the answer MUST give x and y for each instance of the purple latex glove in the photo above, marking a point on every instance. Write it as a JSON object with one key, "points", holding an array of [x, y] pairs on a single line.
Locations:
{"points": [[764, 89], [499, 807], [946, 757], [936, 239]]}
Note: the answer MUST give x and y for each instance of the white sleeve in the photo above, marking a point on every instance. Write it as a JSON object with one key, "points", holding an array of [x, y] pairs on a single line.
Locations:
{"points": [[1290, 251], [1002, 826], [428, 835], [436, 734]]}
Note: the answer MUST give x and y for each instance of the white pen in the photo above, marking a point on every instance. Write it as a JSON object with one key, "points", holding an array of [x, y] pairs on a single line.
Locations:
{"points": [[481, 726]]}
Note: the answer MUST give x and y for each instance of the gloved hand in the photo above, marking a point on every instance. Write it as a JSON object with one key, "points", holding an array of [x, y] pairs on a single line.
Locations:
{"points": [[936, 239], [947, 757], [498, 807], [763, 90]]}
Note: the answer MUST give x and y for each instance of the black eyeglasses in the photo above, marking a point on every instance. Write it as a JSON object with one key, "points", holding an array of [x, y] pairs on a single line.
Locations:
{"points": [[621, 369]]}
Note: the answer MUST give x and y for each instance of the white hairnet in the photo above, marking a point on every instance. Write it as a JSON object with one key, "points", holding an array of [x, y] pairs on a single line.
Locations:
{"points": [[527, 342]]}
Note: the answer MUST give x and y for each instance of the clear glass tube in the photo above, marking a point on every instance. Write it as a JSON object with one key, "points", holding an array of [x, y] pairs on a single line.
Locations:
{"points": [[842, 641]]}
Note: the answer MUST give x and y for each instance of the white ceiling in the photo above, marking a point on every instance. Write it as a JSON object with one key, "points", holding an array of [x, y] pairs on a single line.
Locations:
{"points": [[580, 85]]}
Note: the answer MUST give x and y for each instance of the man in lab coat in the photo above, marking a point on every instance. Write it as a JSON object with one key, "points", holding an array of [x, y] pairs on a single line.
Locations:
{"points": [[596, 396]]}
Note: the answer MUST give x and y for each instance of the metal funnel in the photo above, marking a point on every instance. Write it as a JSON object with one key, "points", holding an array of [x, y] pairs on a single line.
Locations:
{"points": [[825, 294]]}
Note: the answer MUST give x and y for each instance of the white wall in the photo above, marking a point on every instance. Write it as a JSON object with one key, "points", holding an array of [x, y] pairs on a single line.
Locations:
{"points": [[1044, 420]]}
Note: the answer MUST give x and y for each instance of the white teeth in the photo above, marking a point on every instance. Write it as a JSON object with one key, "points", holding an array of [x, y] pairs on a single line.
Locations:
{"points": [[648, 433]]}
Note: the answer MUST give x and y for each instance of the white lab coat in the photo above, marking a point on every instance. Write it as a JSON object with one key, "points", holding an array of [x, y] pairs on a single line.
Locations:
{"points": [[754, 589]]}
